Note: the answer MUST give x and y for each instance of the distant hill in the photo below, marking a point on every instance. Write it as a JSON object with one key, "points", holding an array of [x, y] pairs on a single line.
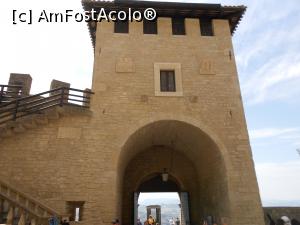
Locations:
{"points": [[159, 201], [170, 208], [281, 203]]}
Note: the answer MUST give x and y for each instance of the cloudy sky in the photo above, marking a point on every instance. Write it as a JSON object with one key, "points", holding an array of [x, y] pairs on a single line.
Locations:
{"points": [[267, 49]]}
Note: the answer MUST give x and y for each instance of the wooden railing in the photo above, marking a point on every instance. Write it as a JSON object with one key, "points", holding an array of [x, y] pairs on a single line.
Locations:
{"points": [[9, 93], [18, 208], [37, 103]]}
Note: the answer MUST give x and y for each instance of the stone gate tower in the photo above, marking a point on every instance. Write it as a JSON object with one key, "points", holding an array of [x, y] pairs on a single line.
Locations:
{"points": [[167, 92], [167, 102]]}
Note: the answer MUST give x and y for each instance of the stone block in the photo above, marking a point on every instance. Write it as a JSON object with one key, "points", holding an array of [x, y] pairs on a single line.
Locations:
{"points": [[69, 132], [125, 65], [58, 84], [23, 80]]}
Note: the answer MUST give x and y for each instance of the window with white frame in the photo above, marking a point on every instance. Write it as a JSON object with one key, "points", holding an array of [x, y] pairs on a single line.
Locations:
{"points": [[167, 79]]}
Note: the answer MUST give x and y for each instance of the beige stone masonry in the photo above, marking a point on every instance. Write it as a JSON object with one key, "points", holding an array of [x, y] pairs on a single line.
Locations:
{"points": [[101, 157]]}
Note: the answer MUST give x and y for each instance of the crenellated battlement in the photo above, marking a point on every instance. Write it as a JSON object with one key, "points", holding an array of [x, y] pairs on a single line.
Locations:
{"points": [[19, 85], [168, 10], [192, 28]]}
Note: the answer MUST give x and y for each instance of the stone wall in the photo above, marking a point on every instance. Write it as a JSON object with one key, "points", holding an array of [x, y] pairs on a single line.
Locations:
{"points": [[84, 157]]}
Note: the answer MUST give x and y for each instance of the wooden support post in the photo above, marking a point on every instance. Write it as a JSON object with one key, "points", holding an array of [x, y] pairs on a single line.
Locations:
{"points": [[1, 94], [22, 220], [33, 221], [10, 216], [158, 215], [148, 212], [87, 97]]}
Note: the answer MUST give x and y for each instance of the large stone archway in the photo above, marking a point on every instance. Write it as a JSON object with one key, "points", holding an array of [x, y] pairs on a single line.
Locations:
{"points": [[188, 154]]}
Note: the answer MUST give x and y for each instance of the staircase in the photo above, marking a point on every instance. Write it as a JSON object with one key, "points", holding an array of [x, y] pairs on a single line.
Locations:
{"points": [[22, 113], [18, 114], [17, 208]]}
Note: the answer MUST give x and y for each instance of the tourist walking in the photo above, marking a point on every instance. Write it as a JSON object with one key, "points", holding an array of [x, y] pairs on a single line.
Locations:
{"points": [[279, 222], [286, 220]]}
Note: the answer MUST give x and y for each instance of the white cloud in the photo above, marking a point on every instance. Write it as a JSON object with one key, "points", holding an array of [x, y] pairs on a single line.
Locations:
{"points": [[273, 132], [158, 195], [278, 79], [279, 181], [288, 138], [64, 51], [268, 52]]}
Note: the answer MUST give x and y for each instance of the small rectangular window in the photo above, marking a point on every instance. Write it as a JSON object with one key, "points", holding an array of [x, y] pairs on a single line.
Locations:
{"points": [[206, 27], [74, 209], [150, 27], [121, 26], [167, 81], [178, 27]]}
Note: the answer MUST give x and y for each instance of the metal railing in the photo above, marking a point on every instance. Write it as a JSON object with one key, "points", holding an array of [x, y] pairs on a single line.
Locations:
{"points": [[37, 103], [10, 92]]}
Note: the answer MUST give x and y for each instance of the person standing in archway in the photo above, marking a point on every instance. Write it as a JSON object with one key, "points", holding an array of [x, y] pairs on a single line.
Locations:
{"points": [[151, 220]]}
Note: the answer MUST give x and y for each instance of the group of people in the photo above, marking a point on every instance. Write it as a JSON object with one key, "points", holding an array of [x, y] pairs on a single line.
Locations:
{"points": [[151, 221], [284, 220], [55, 221], [174, 222]]}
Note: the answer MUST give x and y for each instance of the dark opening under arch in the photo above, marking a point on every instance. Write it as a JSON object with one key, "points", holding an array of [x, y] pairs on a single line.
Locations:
{"points": [[156, 184]]}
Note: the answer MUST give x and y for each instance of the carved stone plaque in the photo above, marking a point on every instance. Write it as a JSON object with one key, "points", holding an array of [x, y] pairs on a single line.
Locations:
{"points": [[207, 67], [125, 65]]}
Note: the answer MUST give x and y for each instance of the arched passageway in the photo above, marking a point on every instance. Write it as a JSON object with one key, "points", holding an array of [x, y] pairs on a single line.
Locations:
{"points": [[190, 157], [160, 196]]}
